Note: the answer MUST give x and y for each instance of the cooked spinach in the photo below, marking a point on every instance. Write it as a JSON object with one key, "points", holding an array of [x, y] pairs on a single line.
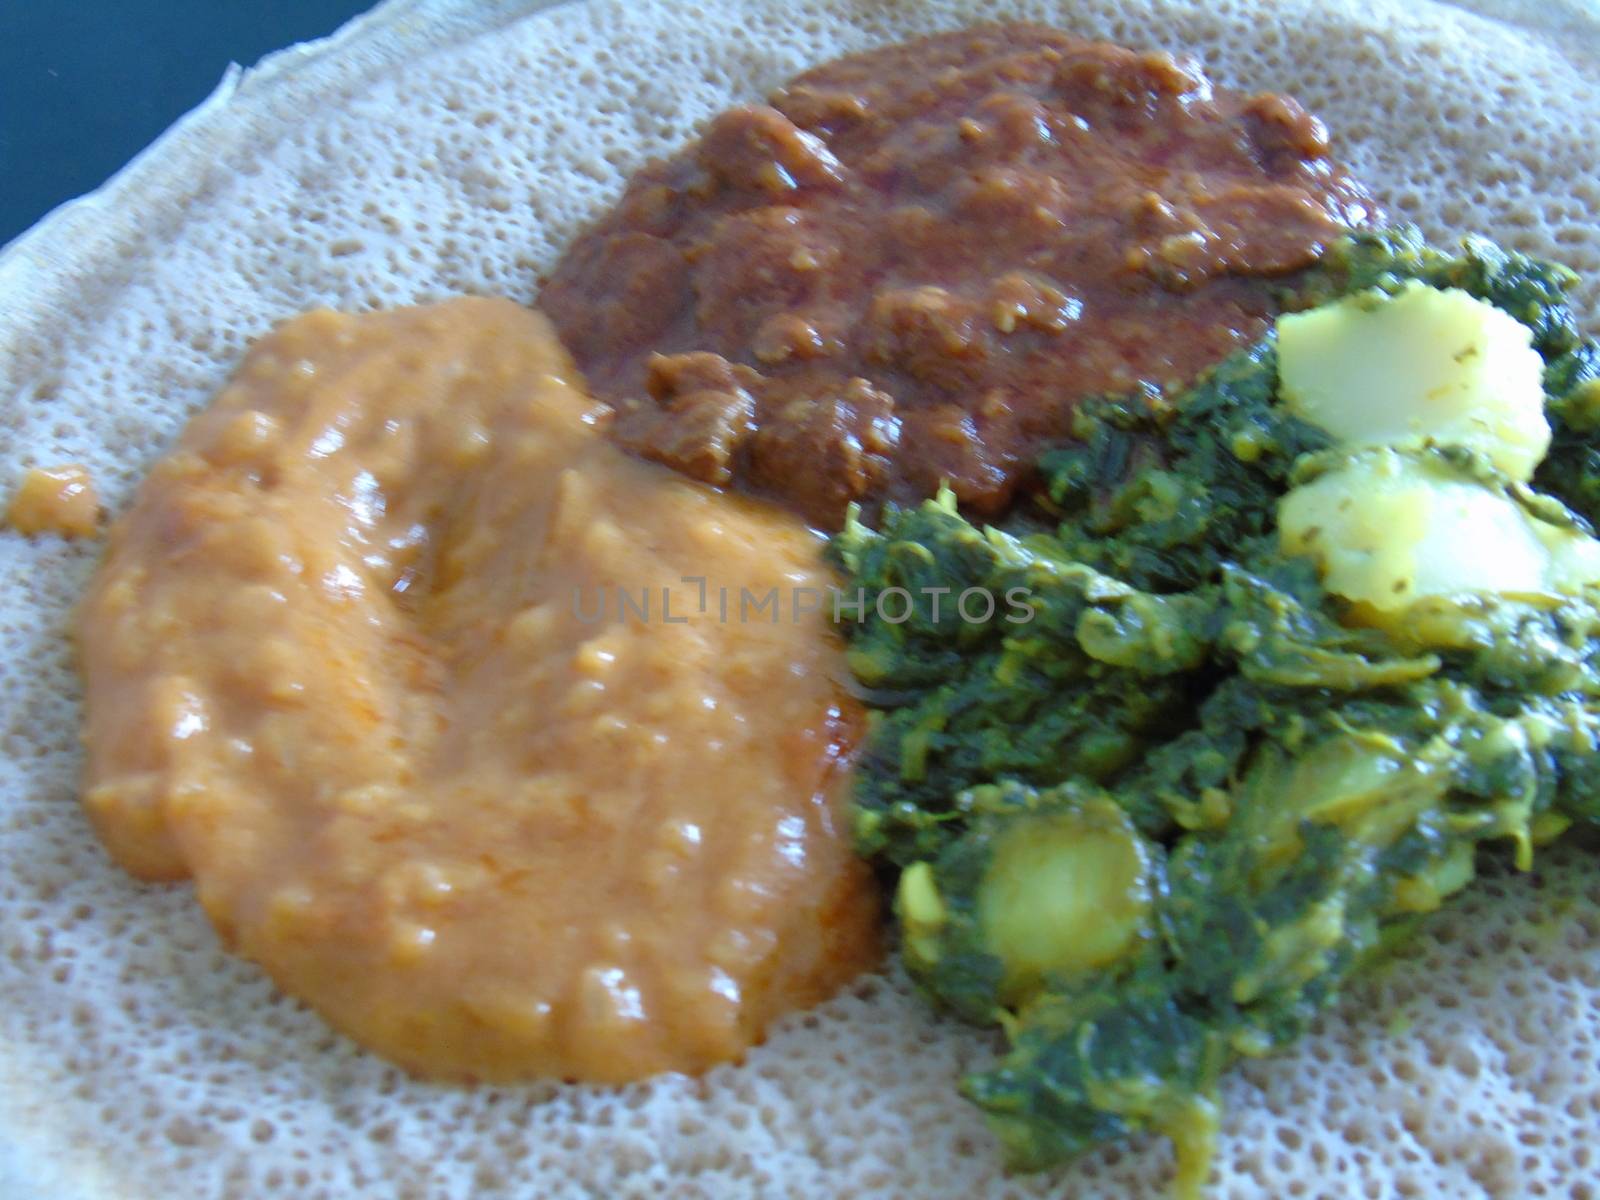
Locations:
{"points": [[1158, 825]]}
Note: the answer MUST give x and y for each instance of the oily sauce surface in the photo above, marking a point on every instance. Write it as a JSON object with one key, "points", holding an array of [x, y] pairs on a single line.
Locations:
{"points": [[60, 500], [337, 674], [911, 263]]}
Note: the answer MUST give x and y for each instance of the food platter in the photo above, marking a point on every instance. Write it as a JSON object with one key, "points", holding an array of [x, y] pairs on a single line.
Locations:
{"points": [[457, 149]]}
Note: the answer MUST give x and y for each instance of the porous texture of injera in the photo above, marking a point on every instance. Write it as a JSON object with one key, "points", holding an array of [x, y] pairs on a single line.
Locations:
{"points": [[449, 147]]}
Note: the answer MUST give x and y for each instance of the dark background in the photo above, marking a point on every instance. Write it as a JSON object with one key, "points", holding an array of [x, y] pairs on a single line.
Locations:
{"points": [[86, 84]]}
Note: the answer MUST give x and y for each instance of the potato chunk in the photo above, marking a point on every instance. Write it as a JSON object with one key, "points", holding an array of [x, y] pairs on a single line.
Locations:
{"points": [[1423, 364], [1574, 559], [1066, 892], [1388, 528]]}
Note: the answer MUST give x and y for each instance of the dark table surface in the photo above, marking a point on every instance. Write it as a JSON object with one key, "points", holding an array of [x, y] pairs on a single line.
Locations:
{"points": [[86, 84]]}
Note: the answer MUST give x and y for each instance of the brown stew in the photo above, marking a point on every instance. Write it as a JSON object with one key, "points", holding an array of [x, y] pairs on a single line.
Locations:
{"points": [[913, 262]]}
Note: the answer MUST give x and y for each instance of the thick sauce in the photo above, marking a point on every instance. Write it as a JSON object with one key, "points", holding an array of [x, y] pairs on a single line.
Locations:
{"points": [[60, 500], [346, 669], [914, 261]]}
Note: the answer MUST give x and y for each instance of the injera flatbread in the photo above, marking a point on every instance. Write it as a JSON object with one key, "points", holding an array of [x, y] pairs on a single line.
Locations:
{"points": [[439, 147]]}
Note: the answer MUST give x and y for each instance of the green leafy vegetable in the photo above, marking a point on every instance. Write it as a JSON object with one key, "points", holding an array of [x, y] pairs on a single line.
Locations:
{"points": [[1220, 788]]}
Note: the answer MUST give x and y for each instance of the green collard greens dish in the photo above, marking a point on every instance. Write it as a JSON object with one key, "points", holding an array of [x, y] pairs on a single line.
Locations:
{"points": [[1288, 666]]}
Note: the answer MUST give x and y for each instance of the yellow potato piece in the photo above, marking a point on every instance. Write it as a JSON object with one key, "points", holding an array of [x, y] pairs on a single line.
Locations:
{"points": [[1065, 893], [1423, 365], [1389, 528]]}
